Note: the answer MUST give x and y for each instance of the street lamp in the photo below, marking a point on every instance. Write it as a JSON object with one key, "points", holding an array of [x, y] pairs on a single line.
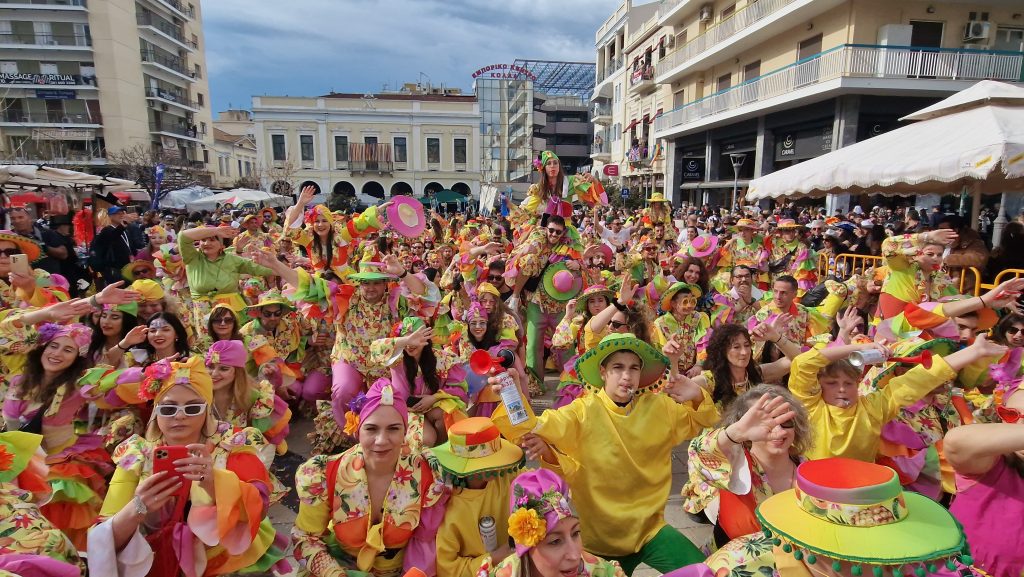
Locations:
{"points": [[737, 159]]}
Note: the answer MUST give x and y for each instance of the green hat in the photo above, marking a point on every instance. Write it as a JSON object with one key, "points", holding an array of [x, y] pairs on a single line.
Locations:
{"points": [[131, 308], [273, 297], [588, 366], [371, 271], [880, 376], [545, 157], [666, 299], [16, 449]]}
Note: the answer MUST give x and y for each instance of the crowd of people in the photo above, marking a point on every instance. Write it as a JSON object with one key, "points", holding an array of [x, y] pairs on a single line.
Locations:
{"points": [[834, 423]]}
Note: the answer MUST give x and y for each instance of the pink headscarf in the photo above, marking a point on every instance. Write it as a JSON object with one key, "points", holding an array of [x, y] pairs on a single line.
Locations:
{"points": [[475, 310], [231, 353], [544, 493], [77, 332], [382, 393]]}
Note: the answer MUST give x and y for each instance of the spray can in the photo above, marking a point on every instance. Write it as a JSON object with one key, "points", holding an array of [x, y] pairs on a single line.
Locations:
{"points": [[510, 397], [488, 533], [867, 357]]}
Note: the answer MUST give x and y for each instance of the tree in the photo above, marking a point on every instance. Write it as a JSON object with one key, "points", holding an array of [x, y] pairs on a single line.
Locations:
{"points": [[139, 163]]}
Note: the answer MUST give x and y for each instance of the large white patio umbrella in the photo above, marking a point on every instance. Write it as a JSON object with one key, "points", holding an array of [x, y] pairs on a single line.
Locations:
{"points": [[973, 139], [30, 175], [241, 196]]}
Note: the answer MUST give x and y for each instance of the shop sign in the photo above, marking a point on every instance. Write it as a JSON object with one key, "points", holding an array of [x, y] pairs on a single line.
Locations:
{"points": [[53, 94], [63, 134], [505, 72], [50, 79], [693, 169], [611, 170], [804, 144]]}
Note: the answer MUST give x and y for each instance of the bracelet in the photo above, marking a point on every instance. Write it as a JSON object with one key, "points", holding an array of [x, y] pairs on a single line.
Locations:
{"points": [[122, 348], [403, 275], [95, 304], [619, 305], [982, 299], [728, 436], [779, 340]]}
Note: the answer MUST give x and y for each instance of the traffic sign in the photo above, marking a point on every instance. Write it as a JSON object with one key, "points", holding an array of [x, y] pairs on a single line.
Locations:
{"points": [[625, 193]]}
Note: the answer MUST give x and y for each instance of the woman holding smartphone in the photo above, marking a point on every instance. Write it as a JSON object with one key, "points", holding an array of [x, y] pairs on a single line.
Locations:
{"points": [[187, 460]]}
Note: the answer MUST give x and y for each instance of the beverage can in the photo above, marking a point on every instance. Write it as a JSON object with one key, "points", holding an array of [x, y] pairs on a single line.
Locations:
{"points": [[867, 357], [488, 533]]}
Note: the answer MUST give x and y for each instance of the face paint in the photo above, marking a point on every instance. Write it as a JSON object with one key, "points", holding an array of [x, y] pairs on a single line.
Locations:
{"points": [[159, 324]]}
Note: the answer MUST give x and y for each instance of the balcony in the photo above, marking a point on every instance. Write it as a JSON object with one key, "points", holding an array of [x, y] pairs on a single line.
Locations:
{"points": [[601, 149], [172, 98], [849, 67], [755, 23], [175, 130], [170, 65], [164, 29], [671, 12], [57, 118], [610, 68], [641, 81], [47, 41], [370, 157], [176, 7], [62, 5], [601, 114]]}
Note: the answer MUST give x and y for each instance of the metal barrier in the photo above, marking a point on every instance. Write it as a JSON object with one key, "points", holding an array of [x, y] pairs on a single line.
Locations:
{"points": [[843, 266]]}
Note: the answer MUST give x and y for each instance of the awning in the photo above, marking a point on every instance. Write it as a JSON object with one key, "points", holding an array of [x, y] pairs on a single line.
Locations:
{"points": [[630, 127], [448, 196]]}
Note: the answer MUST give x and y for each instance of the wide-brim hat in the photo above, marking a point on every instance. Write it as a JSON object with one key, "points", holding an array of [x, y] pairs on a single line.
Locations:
{"points": [[560, 283], [128, 270], [856, 512], [273, 297], [475, 448], [602, 248], [745, 223], [588, 366], [657, 197], [371, 271], [29, 247], [702, 246], [405, 216], [666, 298], [881, 375], [593, 291], [788, 224]]}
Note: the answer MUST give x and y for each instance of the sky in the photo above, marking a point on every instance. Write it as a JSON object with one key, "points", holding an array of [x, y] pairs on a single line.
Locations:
{"points": [[313, 47]]}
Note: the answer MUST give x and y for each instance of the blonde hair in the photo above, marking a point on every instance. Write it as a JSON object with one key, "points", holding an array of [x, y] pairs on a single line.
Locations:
{"points": [[803, 437], [154, 434]]}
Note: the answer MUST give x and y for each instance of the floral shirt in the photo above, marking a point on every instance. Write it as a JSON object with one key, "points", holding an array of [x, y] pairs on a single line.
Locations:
{"points": [[906, 281], [337, 507], [694, 331], [512, 566], [285, 343], [23, 528]]}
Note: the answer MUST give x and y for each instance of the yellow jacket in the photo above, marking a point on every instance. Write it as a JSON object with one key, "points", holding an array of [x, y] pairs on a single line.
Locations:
{"points": [[618, 462], [460, 549], [854, 432]]}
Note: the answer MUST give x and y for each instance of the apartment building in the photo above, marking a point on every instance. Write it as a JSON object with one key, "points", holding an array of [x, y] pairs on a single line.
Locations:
{"points": [[417, 141], [235, 149], [83, 78], [742, 88]]}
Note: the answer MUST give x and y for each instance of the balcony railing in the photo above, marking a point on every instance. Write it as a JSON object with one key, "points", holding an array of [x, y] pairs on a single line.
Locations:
{"points": [[641, 75], [611, 68], [602, 142], [370, 157], [37, 39], [720, 32], [666, 7], [45, 3], [179, 7], [174, 63], [47, 117], [854, 61], [600, 110], [173, 129], [171, 96], [147, 19]]}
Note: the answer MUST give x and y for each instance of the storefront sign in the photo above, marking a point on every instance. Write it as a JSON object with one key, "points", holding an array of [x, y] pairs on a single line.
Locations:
{"points": [[63, 134], [504, 71], [693, 169], [48, 79], [803, 144], [611, 170], [50, 94]]}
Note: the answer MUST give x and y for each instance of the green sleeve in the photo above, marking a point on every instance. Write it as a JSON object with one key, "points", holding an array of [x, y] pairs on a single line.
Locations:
{"points": [[188, 252]]}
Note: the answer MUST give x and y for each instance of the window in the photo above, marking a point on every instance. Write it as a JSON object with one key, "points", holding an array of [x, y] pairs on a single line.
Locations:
{"points": [[751, 71], [239, 167], [400, 149], [306, 147], [206, 156], [459, 148], [202, 127], [48, 68], [221, 162], [195, 41], [341, 149], [433, 151], [724, 82], [727, 12], [248, 168], [277, 144], [200, 99], [198, 72], [8, 67]]}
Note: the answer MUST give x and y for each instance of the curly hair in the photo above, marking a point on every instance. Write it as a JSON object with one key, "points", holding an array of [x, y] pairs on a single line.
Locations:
{"points": [[718, 362], [803, 438]]}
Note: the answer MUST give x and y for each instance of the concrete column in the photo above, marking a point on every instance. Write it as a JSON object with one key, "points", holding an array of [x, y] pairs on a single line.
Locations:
{"points": [[999, 223], [672, 176], [764, 153], [844, 133]]}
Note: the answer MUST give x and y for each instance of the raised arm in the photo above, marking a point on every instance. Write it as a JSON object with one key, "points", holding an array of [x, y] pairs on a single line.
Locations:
{"points": [[295, 212], [269, 260], [975, 449]]}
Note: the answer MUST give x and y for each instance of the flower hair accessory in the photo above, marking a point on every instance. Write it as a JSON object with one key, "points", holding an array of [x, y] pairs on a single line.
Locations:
{"points": [[77, 332], [539, 500], [163, 375], [475, 310]]}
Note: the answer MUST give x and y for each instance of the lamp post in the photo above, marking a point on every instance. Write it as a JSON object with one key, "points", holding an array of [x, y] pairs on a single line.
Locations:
{"points": [[737, 159]]}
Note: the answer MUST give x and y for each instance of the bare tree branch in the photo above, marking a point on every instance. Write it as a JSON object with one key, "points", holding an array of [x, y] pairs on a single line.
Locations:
{"points": [[139, 162]]}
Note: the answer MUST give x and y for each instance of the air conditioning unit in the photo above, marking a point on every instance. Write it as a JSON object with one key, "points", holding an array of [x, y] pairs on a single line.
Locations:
{"points": [[707, 12], [977, 30]]}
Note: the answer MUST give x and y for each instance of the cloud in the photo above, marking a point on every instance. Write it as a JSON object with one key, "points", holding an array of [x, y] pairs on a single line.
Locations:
{"points": [[310, 47]]}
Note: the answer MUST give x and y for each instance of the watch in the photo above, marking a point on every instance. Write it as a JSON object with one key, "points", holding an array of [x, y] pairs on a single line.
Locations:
{"points": [[140, 506]]}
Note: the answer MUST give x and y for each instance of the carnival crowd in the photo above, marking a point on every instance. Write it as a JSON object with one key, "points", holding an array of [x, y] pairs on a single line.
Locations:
{"points": [[841, 414]]}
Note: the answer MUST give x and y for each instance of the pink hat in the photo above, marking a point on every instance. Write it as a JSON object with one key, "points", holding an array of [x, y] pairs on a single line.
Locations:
{"points": [[382, 393], [77, 332], [703, 245], [537, 497], [231, 353]]}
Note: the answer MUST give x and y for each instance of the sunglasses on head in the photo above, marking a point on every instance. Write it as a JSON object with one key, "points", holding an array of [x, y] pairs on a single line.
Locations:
{"points": [[1009, 415], [190, 410], [10, 251], [481, 324]]}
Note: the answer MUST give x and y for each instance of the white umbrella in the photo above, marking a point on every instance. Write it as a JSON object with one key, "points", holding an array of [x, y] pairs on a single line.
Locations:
{"points": [[241, 196], [31, 175], [975, 138], [183, 196]]}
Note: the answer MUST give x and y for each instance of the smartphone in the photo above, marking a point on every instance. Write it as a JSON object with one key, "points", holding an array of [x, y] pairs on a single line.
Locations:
{"points": [[411, 401], [19, 264], [164, 457]]}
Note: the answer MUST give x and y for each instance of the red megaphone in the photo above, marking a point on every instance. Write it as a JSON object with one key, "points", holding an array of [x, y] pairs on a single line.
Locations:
{"points": [[924, 359], [414, 572], [482, 363]]}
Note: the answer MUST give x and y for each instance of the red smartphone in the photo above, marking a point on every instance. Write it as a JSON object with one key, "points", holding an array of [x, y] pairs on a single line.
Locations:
{"points": [[164, 457]]}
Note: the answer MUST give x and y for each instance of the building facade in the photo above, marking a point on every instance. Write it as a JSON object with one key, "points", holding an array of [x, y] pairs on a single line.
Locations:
{"points": [[414, 142], [84, 78], [762, 84], [235, 150]]}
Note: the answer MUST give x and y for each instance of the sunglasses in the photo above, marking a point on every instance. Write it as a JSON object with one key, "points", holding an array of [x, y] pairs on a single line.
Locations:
{"points": [[1010, 331], [556, 231], [1009, 415], [618, 324], [224, 321], [273, 314], [10, 251], [688, 301], [495, 278], [190, 410]]}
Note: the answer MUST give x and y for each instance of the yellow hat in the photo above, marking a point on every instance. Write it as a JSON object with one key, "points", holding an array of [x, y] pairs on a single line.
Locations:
{"points": [[150, 289], [162, 376]]}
